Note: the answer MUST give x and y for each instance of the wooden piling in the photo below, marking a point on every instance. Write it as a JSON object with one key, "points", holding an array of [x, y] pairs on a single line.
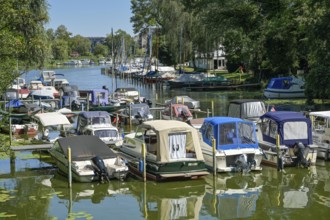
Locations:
{"points": [[214, 157], [144, 162], [69, 168]]}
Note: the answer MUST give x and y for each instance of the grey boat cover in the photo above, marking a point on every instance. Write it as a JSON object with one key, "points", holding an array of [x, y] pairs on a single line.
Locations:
{"points": [[91, 114], [85, 147]]}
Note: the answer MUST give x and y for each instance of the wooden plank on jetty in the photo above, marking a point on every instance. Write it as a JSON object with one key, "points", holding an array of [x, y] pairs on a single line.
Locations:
{"points": [[31, 147]]}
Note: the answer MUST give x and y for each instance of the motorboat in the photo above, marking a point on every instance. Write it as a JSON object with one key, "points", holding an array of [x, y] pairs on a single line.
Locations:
{"points": [[126, 92], [15, 93], [186, 100], [52, 121], [285, 138], [19, 124], [35, 85], [285, 87], [173, 150], [247, 109], [95, 118], [321, 132], [91, 159], [137, 113], [178, 112], [98, 123], [235, 145], [47, 76], [42, 94]]}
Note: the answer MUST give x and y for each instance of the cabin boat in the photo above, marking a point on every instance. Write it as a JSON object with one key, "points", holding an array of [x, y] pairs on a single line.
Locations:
{"points": [[321, 132], [137, 113], [47, 77], [247, 109], [92, 160], [236, 145], [285, 87], [42, 94], [20, 124], [52, 121], [285, 138], [35, 85], [172, 150], [98, 123], [185, 100], [178, 112], [70, 97]]}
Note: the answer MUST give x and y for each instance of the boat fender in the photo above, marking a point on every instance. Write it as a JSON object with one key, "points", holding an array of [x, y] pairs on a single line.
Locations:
{"points": [[141, 166]]}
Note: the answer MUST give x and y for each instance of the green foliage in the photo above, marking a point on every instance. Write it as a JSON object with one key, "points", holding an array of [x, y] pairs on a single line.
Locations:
{"points": [[80, 44], [22, 37], [100, 50]]}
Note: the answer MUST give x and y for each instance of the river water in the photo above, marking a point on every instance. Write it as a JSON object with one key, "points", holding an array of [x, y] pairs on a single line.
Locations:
{"points": [[31, 188]]}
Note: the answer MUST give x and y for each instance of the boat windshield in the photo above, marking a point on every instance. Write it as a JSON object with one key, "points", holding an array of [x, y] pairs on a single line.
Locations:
{"points": [[106, 133]]}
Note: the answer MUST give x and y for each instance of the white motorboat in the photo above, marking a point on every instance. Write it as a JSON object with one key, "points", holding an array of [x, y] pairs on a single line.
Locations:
{"points": [[98, 123], [91, 159], [321, 132], [236, 145], [186, 100], [285, 87], [285, 138]]}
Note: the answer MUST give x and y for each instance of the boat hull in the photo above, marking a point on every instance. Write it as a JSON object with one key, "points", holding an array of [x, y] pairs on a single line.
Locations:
{"points": [[82, 172], [271, 156], [282, 94], [182, 169], [225, 160]]}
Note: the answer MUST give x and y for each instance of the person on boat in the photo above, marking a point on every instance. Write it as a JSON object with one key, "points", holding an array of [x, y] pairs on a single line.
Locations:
{"points": [[273, 109], [230, 135]]}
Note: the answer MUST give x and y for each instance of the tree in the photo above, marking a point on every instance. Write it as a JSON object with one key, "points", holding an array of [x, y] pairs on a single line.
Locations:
{"points": [[80, 44], [22, 37], [100, 50]]}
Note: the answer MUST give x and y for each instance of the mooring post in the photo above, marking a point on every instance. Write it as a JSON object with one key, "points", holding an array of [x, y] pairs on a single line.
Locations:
{"points": [[144, 162], [214, 157], [212, 108], [69, 168], [130, 117]]}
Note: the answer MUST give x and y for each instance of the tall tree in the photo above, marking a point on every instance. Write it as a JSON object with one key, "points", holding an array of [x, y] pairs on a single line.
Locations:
{"points": [[22, 37]]}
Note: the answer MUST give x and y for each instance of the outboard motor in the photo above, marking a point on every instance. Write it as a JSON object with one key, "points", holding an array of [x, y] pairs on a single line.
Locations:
{"points": [[75, 105], [301, 152], [100, 169], [242, 164]]}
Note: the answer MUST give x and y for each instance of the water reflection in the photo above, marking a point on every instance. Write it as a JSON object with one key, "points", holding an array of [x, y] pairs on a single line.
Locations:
{"points": [[170, 200], [232, 196]]}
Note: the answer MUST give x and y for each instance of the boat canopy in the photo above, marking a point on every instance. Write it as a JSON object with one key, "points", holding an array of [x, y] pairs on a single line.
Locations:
{"points": [[173, 133], [323, 114], [141, 108], [246, 108], [229, 133], [52, 118], [291, 126], [85, 147]]}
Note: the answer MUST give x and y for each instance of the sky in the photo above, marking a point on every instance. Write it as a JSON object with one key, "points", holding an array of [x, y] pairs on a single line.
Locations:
{"points": [[90, 18]]}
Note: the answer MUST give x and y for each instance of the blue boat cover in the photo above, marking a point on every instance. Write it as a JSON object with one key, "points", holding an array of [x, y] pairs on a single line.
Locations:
{"points": [[242, 129], [282, 117], [14, 103]]}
